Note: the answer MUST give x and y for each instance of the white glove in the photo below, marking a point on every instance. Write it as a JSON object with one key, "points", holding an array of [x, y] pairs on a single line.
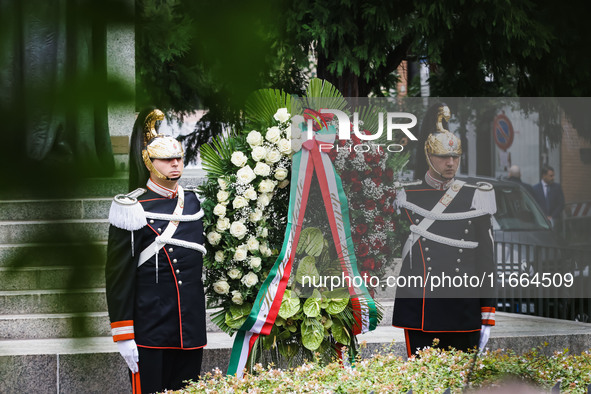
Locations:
{"points": [[484, 335], [128, 350]]}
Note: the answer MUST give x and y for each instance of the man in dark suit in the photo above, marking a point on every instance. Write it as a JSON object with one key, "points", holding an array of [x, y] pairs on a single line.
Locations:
{"points": [[515, 176], [549, 196]]}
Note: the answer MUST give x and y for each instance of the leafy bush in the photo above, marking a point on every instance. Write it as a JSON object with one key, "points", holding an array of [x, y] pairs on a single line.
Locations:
{"points": [[434, 371]]}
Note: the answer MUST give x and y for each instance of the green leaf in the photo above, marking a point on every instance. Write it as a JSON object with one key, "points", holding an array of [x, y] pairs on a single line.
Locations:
{"points": [[288, 350], [291, 325], [311, 242], [340, 333], [307, 268], [237, 315], [323, 94], [289, 305], [326, 322], [216, 155], [312, 334], [219, 319], [337, 305], [263, 104], [312, 305]]}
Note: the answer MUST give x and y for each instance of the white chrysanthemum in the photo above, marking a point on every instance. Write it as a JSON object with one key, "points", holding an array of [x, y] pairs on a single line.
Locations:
{"points": [[281, 115], [250, 279], [245, 175], [296, 145], [254, 138], [262, 169], [239, 159], [238, 229], [296, 133], [221, 287]]}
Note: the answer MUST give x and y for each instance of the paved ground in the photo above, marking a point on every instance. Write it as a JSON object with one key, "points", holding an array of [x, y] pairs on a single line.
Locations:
{"points": [[508, 326]]}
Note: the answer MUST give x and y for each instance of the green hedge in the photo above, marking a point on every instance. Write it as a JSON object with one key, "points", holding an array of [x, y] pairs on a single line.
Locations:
{"points": [[434, 371]]}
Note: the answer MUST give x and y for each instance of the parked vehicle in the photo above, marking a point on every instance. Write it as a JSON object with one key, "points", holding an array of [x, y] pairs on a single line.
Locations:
{"points": [[527, 247]]}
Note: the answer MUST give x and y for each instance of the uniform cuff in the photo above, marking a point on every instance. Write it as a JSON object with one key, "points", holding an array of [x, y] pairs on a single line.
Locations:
{"points": [[122, 330], [488, 315]]}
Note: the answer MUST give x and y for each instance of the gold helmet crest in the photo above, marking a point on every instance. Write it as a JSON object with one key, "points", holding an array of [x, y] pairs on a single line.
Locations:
{"points": [[158, 146], [442, 142]]}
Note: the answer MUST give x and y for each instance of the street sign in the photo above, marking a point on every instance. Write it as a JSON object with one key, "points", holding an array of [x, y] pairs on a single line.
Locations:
{"points": [[503, 132]]}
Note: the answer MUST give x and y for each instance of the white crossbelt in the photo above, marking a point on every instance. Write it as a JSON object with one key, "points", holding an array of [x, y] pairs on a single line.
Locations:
{"points": [[178, 218], [442, 216], [421, 229], [166, 236]]}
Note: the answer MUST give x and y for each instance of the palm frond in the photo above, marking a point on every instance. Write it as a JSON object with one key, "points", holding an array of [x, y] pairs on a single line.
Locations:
{"points": [[263, 104], [219, 318], [215, 154], [323, 94], [369, 118], [212, 163]]}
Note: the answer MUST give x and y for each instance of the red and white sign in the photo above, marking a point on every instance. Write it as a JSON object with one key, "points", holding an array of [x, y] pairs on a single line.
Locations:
{"points": [[579, 209]]}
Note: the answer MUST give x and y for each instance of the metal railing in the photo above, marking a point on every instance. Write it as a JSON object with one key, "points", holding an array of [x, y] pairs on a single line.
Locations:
{"points": [[543, 281]]}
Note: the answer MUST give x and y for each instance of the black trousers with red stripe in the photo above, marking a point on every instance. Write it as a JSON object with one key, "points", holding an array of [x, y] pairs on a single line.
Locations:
{"points": [[459, 340], [167, 368]]}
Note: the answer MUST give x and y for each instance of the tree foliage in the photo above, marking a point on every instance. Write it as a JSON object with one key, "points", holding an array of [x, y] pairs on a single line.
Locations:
{"points": [[215, 53]]}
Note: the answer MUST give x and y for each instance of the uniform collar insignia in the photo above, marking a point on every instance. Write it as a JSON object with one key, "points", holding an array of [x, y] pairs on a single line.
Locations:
{"points": [[161, 190], [437, 184]]}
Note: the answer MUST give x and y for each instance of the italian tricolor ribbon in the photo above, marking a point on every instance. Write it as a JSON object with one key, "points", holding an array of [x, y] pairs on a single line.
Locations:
{"points": [[268, 300]]}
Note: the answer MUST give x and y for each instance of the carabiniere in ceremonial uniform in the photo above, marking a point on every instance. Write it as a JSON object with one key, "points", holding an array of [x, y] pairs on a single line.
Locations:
{"points": [[450, 236], [154, 265]]}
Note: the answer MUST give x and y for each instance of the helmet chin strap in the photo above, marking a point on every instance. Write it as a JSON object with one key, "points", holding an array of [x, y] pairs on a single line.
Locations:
{"points": [[433, 168], [153, 170]]}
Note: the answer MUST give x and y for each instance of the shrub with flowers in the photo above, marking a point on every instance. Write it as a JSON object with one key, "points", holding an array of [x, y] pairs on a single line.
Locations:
{"points": [[433, 372]]}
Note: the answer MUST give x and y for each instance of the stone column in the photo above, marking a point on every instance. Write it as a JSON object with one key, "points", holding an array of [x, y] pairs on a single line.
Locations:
{"points": [[121, 67]]}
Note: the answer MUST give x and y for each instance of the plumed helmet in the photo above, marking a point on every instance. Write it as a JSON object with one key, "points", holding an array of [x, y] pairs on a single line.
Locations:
{"points": [[158, 146], [442, 142]]}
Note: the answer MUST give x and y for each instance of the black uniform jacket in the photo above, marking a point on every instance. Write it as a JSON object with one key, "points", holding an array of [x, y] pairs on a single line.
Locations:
{"points": [[163, 312], [451, 308]]}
